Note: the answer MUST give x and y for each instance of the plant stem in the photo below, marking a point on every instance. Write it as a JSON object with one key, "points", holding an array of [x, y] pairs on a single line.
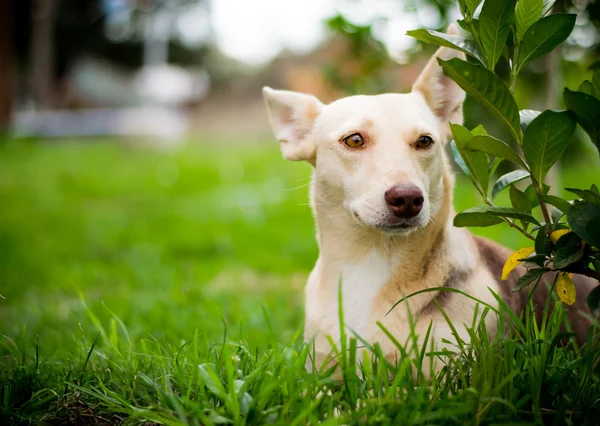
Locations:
{"points": [[475, 35], [543, 206], [514, 68], [514, 73], [586, 272], [511, 223]]}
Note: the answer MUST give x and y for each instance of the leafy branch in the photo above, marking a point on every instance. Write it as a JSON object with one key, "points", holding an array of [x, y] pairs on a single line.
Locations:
{"points": [[567, 237]]}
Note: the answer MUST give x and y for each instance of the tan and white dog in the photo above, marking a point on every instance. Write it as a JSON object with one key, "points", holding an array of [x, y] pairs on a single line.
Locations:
{"points": [[382, 199]]}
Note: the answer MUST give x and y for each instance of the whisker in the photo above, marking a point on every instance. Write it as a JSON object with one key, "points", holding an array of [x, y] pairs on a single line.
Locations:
{"points": [[299, 187]]}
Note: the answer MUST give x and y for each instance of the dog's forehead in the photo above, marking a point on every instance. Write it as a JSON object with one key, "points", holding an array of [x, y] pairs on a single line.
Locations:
{"points": [[378, 109]]}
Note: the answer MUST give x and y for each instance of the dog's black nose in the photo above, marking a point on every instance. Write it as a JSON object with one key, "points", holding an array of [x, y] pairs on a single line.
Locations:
{"points": [[404, 200]]}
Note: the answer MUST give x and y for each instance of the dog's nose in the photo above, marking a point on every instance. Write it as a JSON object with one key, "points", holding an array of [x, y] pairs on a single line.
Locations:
{"points": [[404, 200]]}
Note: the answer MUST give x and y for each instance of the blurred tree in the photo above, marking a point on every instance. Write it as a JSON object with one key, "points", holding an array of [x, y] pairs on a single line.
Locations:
{"points": [[367, 54], [48, 36], [6, 66], [42, 51], [359, 69], [129, 26], [363, 66]]}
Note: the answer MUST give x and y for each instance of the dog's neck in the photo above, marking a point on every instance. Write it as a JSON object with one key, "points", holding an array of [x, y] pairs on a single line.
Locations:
{"points": [[342, 241]]}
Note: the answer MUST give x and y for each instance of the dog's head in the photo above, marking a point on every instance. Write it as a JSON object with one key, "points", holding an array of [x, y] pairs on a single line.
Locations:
{"points": [[378, 159]]}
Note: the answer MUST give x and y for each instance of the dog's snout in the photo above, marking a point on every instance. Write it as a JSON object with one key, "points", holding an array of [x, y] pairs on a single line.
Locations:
{"points": [[404, 200]]}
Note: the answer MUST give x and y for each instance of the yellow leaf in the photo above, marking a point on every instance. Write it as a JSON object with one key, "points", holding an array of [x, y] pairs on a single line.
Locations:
{"points": [[513, 261], [565, 288], [558, 233]]}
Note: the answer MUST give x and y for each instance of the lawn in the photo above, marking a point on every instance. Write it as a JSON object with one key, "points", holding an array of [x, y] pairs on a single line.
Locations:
{"points": [[151, 285]]}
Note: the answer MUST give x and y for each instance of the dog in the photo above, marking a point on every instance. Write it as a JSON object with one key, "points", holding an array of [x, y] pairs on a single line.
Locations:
{"points": [[381, 195]]}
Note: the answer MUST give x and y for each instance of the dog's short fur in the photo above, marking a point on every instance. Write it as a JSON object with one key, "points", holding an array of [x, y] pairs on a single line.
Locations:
{"points": [[378, 257]]}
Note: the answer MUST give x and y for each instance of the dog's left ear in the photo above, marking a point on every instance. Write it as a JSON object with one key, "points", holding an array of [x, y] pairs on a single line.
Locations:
{"points": [[443, 95], [293, 117]]}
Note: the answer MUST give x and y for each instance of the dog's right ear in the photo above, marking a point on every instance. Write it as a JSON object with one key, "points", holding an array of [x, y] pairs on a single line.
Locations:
{"points": [[442, 94], [293, 117]]}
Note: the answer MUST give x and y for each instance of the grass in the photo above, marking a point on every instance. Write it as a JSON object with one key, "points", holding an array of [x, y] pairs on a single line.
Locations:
{"points": [[145, 286]]}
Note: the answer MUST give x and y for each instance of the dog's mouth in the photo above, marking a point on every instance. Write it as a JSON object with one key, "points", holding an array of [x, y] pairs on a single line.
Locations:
{"points": [[391, 225], [398, 228]]}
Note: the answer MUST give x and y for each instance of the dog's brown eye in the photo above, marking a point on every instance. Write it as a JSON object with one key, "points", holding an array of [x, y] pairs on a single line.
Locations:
{"points": [[424, 142], [354, 141]]}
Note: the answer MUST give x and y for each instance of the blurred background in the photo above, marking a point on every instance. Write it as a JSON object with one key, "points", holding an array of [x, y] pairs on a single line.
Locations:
{"points": [[138, 175]]}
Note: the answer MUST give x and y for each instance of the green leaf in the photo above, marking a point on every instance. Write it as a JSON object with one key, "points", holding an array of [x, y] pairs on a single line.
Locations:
{"points": [[475, 219], [472, 5], [447, 40], [495, 20], [490, 215], [463, 8], [556, 214], [531, 276], [479, 131], [595, 263], [568, 250], [596, 83], [542, 242], [461, 134], [487, 88], [507, 179], [593, 301], [532, 195], [476, 162], [545, 140], [538, 259], [459, 160], [212, 381], [586, 195], [587, 112], [586, 87], [543, 36], [463, 24], [526, 116], [584, 220], [494, 165], [562, 205], [527, 13], [519, 200], [547, 6], [495, 147], [576, 191]]}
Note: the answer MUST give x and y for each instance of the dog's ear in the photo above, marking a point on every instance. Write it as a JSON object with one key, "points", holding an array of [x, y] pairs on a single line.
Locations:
{"points": [[293, 117], [443, 95]]}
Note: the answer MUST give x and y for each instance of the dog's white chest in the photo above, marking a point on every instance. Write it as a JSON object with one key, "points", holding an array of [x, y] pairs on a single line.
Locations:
{"points": [[361, 283]]}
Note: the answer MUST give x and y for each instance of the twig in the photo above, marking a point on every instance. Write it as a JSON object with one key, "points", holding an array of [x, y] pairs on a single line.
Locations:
{"points": [[543, 206], [513, 68], [587, 272], [512, 224], [509, 222]]}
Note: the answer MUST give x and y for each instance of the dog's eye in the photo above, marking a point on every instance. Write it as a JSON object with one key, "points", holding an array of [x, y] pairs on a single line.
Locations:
{"points": [[355, 140], [424, 142]]}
